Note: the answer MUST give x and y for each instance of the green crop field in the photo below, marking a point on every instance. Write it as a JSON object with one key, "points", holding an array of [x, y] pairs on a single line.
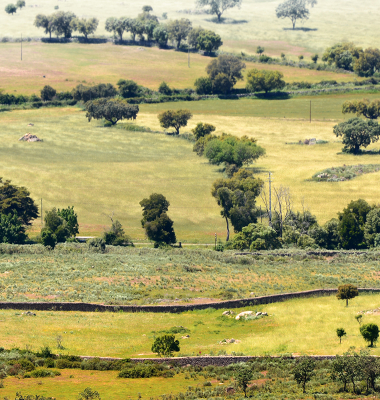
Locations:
{"points": [[243, 29], [306, 326]]}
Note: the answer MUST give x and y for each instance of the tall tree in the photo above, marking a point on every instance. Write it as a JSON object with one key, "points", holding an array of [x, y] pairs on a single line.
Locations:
{"points": [[303, 371], [117, 25], [369, 109], [45, 22], [218, 7], [178, 30], [237, 198], [295, 10], [243, 376], [62, 23], [112, 110], [85, 26]]}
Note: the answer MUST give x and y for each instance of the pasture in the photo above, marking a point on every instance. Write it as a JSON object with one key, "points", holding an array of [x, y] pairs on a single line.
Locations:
{"points": [[304, 326], [242, 29], [64, 66]]}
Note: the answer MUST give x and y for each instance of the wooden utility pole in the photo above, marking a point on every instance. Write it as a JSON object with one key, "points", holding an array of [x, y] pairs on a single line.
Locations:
{"points": [[21, 47], [270, 198]]}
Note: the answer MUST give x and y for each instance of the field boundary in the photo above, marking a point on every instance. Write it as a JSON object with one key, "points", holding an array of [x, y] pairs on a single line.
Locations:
{"points": [[239, 303]]}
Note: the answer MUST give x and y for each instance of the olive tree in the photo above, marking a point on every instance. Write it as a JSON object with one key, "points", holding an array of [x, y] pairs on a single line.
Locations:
{"points": [[262, 80], [174, 119], [85, 26], [165, 345], [178, 30], [45, 22], [218, 7], [20, 4], [112, 110], [295, 10], [10, 9], [117, 26]]}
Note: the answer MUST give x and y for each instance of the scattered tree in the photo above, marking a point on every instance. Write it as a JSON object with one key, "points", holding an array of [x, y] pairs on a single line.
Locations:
{"points": [[71, 218], [369, 109], [295, 10], [347, 292], [116, 236], [343, 55], [12, 229], [161, 35], [243, 376], [56, 225], [165, 345], [201, 130], [128, 88], [260, 50], [48, 239], [89, 394], [10, 9], [85, 26], [359, 318], [368, 62], [347, 369], [370, 333], [164, 89], [314, 58], [218, 7], [62, 23], [192, 39], [372, 226], [357, 133], [303, 371], [208, 41], [20, 4], [112, 110], [45, 22], [263, 80], [117, 25], [174, 119], [203, 86], [178, 30], [48, 93], [340, 333], [147, 9]]}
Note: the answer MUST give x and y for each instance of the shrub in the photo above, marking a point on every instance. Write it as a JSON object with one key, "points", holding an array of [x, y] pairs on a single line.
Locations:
{"points": [[145, 371], [44, 373], [97, 245]]}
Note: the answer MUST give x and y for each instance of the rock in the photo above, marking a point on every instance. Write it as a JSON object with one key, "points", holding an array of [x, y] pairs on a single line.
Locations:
{"points": [[228, 313], [28, 137], [30, 124], [244, 314], [252, 294], [185, 337], [264, 314], [258, 313], [232, 340], [29, 313]]}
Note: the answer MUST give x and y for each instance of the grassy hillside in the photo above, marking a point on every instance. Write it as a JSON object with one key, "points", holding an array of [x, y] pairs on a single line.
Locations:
{"points": [[242, 29], [64, 66], [298, 326]]}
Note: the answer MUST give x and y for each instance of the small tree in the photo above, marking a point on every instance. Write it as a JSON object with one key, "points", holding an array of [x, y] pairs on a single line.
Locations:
{"points": [[243, 376], [48, 239], [174, 119], [314, 58], [370, 333], [71, 218], [201, 130], [165, 345], [359, 318], [10, 9], [262, 80], [128, 88], [340, 333], [12, 229], [208, 41], [20, 4], [112, 110], [147, 9], [89, 394], [357, 133], [116, 236], [178, 30], [48, 93], [347, 292], [303, 371], [164, 89], [366, 108], [229, 66], [203, 85], [295, 10], [57, 225], [260, 50], [218, 7], [85, 26]]}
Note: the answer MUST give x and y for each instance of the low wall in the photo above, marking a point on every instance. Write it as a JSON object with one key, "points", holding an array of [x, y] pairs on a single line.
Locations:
{"points": [[92, 307]]}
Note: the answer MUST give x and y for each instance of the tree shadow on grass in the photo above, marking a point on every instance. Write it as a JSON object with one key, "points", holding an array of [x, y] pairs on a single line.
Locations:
{"points": [[227, 21], [273, 96], [303, 29], [374, 152]]}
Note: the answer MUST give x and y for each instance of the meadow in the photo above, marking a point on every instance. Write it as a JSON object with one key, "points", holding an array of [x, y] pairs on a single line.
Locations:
{"points": [[242, 29], [180, 276]]}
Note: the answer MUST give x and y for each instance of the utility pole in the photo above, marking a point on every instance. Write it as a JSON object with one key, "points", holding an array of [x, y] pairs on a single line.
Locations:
{"points": [[42, 224], [270, 198], [310, 111], [188, 57], [215, 240], [21, 47]]}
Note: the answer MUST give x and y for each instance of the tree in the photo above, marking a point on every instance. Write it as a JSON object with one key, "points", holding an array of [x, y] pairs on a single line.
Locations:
{"points": [[228, 65], [112, 110], [117, 25], [303, 371], [357, 133], [370, 368], [192, 39], [237, 198], [89, 394], [16, 199], [12, 229], [86, 93], [359, 318], [161, 35], [48, 93], [165, 345], [218, 7], [136, 27], [164, 89], [256, 237], [314, 58], [174, 119], [260, 50], [149, 27], [10, 9], [369, 109], [45, 22], [62, 23], [71, 218], [258, 81], [347, 292], [343, 55], [201, 130], [340, 333], [231, 150], [116, 236], [351, 224], [56, 225], [147, 9], [370, 333], [85, 26], [20, 4], [203, 85], [158, 226], [48, 239], [221, 84], [208, 41], [347, 368], [243, 376], [368, 62], [372, 226], [128, 88], [295, 10], [178, 30]]}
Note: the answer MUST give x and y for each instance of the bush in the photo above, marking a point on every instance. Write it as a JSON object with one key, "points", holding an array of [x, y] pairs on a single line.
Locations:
{"points": [[44, 373], [203, 86], [97, 245], [145, 371]]}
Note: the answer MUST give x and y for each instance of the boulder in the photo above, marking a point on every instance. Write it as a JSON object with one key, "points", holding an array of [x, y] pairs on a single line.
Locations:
{"points": [[28, 137], [29, 313], [228, 313], [244, 314]]}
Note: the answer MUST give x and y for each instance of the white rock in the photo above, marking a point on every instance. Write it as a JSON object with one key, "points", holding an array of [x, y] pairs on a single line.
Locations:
{"points": [[243, 314]]}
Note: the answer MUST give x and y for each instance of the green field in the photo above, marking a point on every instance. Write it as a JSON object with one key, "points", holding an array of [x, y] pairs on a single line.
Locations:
{"points": [[255, 23], [306, 326]]}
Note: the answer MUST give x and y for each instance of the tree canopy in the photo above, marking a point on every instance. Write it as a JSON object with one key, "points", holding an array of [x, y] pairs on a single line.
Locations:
{"points": [[264, 80], [12, 229], [178, 30], [218, 7], [128, 88], [165, 345], [366, 108], [347, 292], [208, 41], [20, 4], [201, 130], [295, 10], [48, 93], [45, 22], [112, 110], [357, 133], [229, 65], [370, 333], [85, 26], [117, 26], [174, 119], [372, 227], [303, 371], [10, 9]]}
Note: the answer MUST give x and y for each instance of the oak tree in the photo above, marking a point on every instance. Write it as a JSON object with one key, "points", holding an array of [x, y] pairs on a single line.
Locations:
{"points": [[295, 10], [174, 119], [218, 7], [112, 110]]}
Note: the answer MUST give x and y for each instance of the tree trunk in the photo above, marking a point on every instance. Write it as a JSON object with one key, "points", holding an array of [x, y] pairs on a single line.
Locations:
{"points": [[121, 37], [346, 302], [219, 16], [304, 387], [228, 230], [294, 25]]}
